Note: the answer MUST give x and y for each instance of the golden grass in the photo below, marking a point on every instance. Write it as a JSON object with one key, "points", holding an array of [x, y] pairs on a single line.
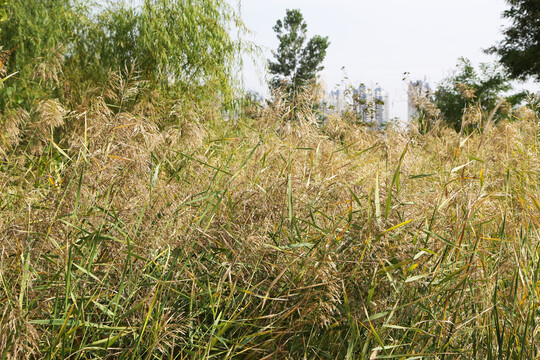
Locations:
{"points": [[127, 237]]}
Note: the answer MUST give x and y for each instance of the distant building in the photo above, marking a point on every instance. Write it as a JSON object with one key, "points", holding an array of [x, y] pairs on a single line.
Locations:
{"points": [[382, 106], [371, 105], [417, 90], [335, 101], [255, 96]]}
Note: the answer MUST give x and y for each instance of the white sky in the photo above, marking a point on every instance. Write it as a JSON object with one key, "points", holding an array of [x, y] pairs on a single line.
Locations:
{"points": [[378, 40]]}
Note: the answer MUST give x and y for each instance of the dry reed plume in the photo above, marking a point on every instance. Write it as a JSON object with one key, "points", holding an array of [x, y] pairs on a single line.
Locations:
{"points": [[145, 232]]}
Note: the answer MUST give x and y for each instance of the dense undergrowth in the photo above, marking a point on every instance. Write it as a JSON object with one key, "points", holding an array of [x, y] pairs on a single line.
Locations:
{"points": [[168, 232]]}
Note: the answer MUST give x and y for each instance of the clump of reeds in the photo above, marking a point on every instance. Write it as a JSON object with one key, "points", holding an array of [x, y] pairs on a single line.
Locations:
{"points": [[141, 230]]}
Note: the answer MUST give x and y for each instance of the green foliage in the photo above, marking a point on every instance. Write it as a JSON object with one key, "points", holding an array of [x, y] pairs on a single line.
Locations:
{"points": [[37, 32], [183, 48], [520, 50], [105, 42], [189, 42], [3, 11], [185, 45], [469, 88], [295, 64]]}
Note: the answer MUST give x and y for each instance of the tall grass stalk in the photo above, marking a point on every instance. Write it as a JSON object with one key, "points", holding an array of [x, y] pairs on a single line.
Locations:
{"points": [[136, 237]]}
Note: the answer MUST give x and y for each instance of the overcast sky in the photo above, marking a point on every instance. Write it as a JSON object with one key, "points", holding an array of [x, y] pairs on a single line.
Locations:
{"points": [[377, 41]]}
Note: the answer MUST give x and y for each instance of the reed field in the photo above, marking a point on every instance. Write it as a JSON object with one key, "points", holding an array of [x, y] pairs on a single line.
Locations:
{"points": [[179, 233], [150, 210]]}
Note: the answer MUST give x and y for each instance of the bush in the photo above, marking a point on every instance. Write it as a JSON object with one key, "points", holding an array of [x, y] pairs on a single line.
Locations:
{"points": [[482, 90]]}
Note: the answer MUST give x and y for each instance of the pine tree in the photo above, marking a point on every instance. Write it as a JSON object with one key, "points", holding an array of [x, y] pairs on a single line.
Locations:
{"points": [[296, 65]]}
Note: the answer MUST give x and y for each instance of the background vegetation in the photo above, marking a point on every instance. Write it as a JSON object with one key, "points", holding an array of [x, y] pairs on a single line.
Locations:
{"points": [[67, 49], [296, 65]]}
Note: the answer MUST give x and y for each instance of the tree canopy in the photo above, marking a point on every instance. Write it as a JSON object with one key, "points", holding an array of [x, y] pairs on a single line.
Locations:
{"points": [[296, 64], [483, 89], [183, 46], [463, 99], [520, 50]]}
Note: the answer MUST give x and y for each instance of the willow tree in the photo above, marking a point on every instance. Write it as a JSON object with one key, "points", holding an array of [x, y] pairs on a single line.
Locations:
{"points": [[35, 35], [189, 43], [183, 47]]}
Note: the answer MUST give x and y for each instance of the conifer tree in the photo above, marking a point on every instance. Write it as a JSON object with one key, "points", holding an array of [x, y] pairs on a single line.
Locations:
{"points": [[295, 64]]}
